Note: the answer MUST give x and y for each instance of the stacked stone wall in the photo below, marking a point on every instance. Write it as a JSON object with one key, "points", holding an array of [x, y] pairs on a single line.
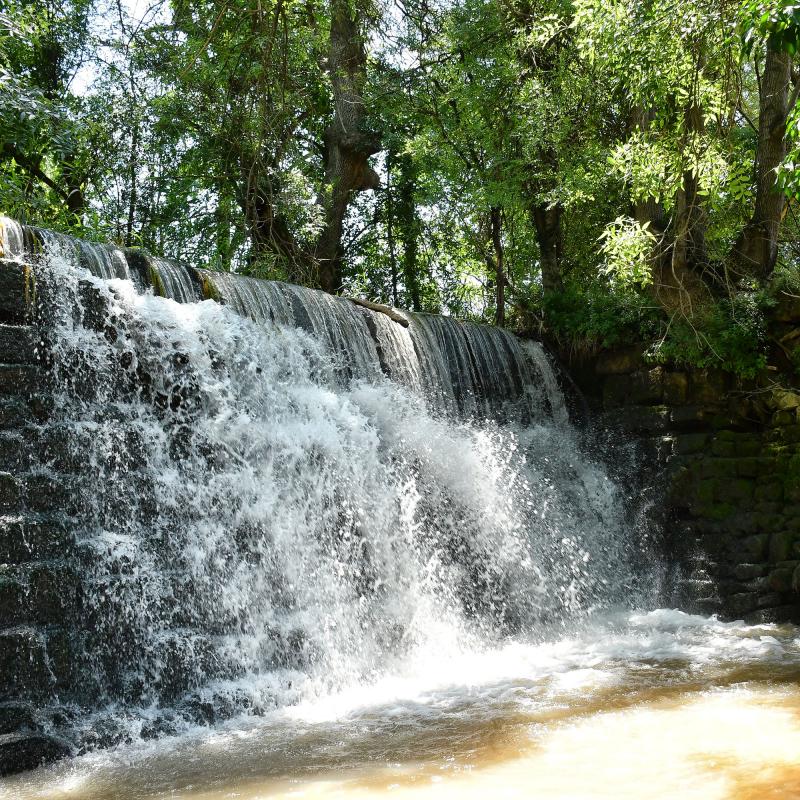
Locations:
{"points": [[38, 586], [722, 457]]}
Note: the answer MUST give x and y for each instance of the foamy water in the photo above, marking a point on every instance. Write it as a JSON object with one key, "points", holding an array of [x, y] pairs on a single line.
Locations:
{"points": [[658, 704]]}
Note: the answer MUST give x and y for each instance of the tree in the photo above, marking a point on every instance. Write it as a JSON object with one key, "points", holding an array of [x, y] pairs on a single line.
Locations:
{"points": [[46, 142]]}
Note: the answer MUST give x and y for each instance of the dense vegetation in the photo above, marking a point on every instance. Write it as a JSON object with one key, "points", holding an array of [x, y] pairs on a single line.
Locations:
{"points": [[607, 169]]}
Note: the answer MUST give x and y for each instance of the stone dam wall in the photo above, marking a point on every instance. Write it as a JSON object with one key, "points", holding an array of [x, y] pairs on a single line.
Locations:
{"points": [[38, 581], [721, 459]]}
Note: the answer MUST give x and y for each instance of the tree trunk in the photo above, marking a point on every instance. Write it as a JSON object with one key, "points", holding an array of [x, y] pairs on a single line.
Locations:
{"points": [[268, 231], [409, 231], [690, 218], [547, 222], [347, 145], [496, 222], [756, 249], [390, 159], [679, 255]]}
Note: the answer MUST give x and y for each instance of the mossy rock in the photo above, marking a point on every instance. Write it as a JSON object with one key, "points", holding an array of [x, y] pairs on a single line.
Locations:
{"points": [[738, 491], [784, 400], [781, 418], [155, 281], [676, 388], [690, 443], [755, 466], [781, 546], [207, 287], [751, 549], [769, 492], [723, 448], [717, 468], [715, 511]]}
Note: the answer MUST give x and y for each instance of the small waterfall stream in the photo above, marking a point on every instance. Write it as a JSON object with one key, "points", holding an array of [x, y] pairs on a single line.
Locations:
{"points": [[286, 493]]}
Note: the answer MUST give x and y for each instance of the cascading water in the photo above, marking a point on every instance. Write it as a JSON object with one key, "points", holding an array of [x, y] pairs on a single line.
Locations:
{"points": [[263, 513]]}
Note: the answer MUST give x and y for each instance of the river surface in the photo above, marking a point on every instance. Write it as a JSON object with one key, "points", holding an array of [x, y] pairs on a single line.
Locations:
{"points": [[654, 704]]}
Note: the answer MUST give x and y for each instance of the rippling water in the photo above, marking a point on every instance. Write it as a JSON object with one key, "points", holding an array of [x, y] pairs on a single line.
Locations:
{"points": [[659, 704]]}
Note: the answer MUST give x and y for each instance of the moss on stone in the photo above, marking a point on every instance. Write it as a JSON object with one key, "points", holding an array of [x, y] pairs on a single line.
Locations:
{"points": [[738, 491], [209, 290], [781, 546], [769, 492], [155, 281], [723, 448], [717, 511]]}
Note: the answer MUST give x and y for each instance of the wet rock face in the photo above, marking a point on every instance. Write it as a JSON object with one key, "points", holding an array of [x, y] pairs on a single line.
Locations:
{"points": [[21, 751], [724, 461], [39, 592]]}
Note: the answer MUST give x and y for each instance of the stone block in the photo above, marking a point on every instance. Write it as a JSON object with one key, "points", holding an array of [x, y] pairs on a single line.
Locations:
{"points": [[746, 572], [9, 493], [781, 546], [20, 379], [717, 468], [790, 434], [644, 387], [705, 491], [742, 603], [689, 443], [751, 549], [23, 751], [25, 539], [689, 418], [642, 420], [748, 445], [53, 593], [780, 580], [783, 400], [738, 492], [14, 413], [14, 451], [787, 308], [781, 418], [708, 387], [620, 362], [723, 448], [13, 601], [18, 344], [62, 655], [786, 612], [715, 511], [23, 664], [676, 388], [45, 493], [15, 717], [755, 466], [17, 292]]}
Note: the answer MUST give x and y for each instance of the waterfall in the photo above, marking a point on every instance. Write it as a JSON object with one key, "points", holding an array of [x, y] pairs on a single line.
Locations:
{"points": [[281, 494]]}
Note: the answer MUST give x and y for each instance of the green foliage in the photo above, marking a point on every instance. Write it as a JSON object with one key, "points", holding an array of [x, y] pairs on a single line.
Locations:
{"points": [[627, 246], [732, 336], [176, 129], [590, 318], [777, 21]]}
